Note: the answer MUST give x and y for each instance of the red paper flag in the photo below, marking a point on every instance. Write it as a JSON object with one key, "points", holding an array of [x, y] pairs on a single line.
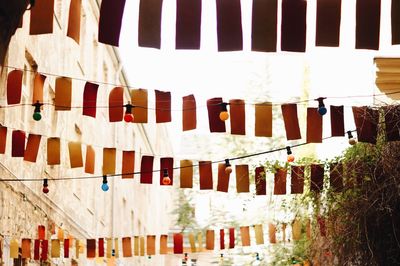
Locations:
{"points": [[238, 117], [18, 143], [264, 25], [167, 163], [368, 16], [146, 170], [3, 139], [128, 164], [111, 12], [14, 87], [231, 237], [36, 249], [89, 99], [328, 22], [289, 113], [221, 239], [150, 23], [297, 182], [314, 126], [45, 249], [223, 178], [178, 243], [317, 177], [189, 120], [280, 182], [395, 21], [293, 28], [337, 121], [115, 104], [229, 25], [163, 106], [66, 248], [41, 232], [214, 107], [188, 24], [101, 247], [261, 182], [205, 170], [366, 120]]}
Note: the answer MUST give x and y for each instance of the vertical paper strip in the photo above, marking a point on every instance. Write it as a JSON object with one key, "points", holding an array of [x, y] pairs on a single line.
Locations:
{"points": [[296, 230], [151, 245], [206, 179], [192, 243], [164, 244], [280, 182], [368, 16], [261, 182], [395, 19], [55, 248], [242, 178], [297, 179], [392, 126], [200, 241], [89, 97], [264, 25], [272, 233], [221, 239], [128, 164], [263, 119], [63, 94], [237, 117], [26, 248], [186, 174], [77, 248], [91, 248], [163, 106], [18, 143], [126, 247], [110, 21], [229, 25], [101, 248], [142, 246], [178, 243], [3, 139], [115, 104], [32, 148], [210, 238], [14, 249], [293, 28], [366, 120], [53, 151], [66, 248], [223, 178], [36, 249], [317, 177], [189, 120], [146, 170], [41, 232], [167, 163], [109, 248], [337, 121], [136, 246], [231, 237], [291, 120], [259, 232], [116, 247], [75, 154], [109, 159], [328, 22], [140, 101], [45, 250], [38, 84], [42, 17], [336, 177], [74, 20], [90, 160], [188, 24], [14, 87], [314, 126], [214, 107], [150, 23], [245, 236]]}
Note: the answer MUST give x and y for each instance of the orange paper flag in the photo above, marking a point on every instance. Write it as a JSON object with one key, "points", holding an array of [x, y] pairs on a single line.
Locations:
{"points": [[32, 148], [142, 246], [164, 244], [74, 20], [126, 247], [14, 87], [53, 151], [37, 95], [289, 113], [186, 176], [245, 235], [42, 17], [63, 94], [136, 246], [237, 117], [14, 249], [280, 182], [242, 178], [90, 160], [189, 120], [151, 245], [223, 178], [140, 102], [263, 123], [55, 248], [258, 230], [26, 248], [109, 157], [272, 233], [75, 154], [128, 164], [210, 238], [115, 104], [163, 106]]}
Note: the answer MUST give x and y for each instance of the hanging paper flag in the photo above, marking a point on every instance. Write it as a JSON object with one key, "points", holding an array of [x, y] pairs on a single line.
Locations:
{"points": [[366, 120], [63, 94], [116, 248], [258, 230], [164, 244], [111, 12], [14, 87], [163, 106], [109, 158], [90, 160], [55, 248], [3, 139], [317, 177], [263, 119], [60, 234], [261, 182], [186, 174], [337, 121], [200, 241], [108, 247], [264, 25], [53, 151], [45, 249], [290, 118], [205, 171], [314, 126], [115, 104], [38, 83], [32, 148], [178, 243], [146, 170], [245, 235], [142, 246], [296, 229], [242, 178], [238, 117], [231, 237], [136, 246], [18, 143], [223, 178], [280, 181], [272, 233], [229, 25], [395, 21], [336, 177], [167, 163], [74, 20], [284, 232], [328, 22], [297, 179], [293, 28], [77, 248], [221, 239], [42, 17], [150, 23], [210, 238], [41, 232], [192, 243], [214, 107], [89, 98], [189, 120], [188, 24], [151, 245], [36, 249], [128, 164], [139, 101], [392, 126], [91, 248], [126, 247], [368, 16], [75, 154], [26, 248], [101, 248], [66, 248], [14, 249]]}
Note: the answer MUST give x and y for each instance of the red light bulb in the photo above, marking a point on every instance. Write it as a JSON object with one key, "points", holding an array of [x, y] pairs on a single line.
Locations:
{"points": [[166, 180], [45, 190], [128, 118], [290, 158]]}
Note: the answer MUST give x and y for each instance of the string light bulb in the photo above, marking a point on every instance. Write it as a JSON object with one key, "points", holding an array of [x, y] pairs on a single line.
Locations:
{"points": [[45, 188], [36, 112], [257, 256], [352, 140], [228, 167], [290, 156], [105, 186], [128, 117], [186, 257], [321, 106], [221, 258], [224, 115], [166, 180]]}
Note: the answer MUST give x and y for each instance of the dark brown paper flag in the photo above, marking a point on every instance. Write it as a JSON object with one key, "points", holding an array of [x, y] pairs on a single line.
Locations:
{"points": [[150, 23], [126, 247], [63, 94], [280, 182], [214, 107], [115, 104], [223, 178], [128, 164], [366, 120], [297, 179], [263, 120], [36, 249], [14, 87], [261, 182], [206, 179], [74, 20], [392, 126], [101, 248], [75, 154], [337, 121], [237, 117], [210, 238], [38, 83], [189, 120], [289, 113], [42, 17], [242, 178], [26, 248], [336, 177], [140, 101], [395, 21], [368, 16], [293, 28], [3, 139], [317, 177], [188, 24], [163, 106], [151, 245], [18, 143], [229, 25], [90, 160], [186, 174], [146, 170], [109, 159], [167, 163], [32, 148], [314, 126], [328, 22], [89, 99], [245, 235], [264, 25], [91, 248], [111, 12], [53, 151]]}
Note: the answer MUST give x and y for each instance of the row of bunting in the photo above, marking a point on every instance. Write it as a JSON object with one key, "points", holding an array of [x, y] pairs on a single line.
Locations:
{"points": [[229, 23], [146, 245], [136, 110]]}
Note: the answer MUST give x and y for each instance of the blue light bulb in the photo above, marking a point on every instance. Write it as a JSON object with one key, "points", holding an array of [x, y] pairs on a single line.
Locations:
{"points": [[322, 110], [105, 187]]}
